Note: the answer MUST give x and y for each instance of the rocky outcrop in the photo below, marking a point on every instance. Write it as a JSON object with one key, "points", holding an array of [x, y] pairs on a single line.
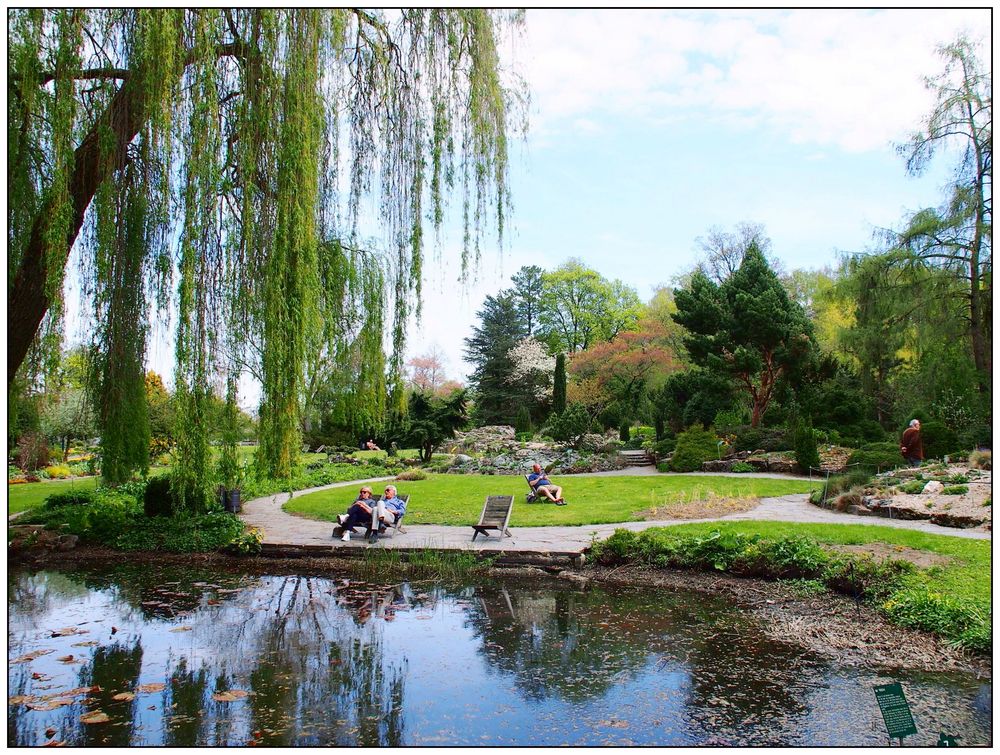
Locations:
{"points": [[25, 538]]}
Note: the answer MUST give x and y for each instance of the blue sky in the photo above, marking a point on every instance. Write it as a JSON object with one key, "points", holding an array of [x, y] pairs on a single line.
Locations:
{"points": [[650, 127]]}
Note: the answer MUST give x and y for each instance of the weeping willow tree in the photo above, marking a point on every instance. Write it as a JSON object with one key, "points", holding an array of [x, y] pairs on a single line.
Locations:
{"points": [[220, 166]]}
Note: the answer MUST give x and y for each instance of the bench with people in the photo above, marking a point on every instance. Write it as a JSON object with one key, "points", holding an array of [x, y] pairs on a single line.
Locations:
{"points": [[376, 513]]}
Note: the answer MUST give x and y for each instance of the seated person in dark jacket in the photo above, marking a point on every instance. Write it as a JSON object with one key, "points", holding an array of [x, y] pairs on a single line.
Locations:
{"points": [[544, 487], [360, 512]]}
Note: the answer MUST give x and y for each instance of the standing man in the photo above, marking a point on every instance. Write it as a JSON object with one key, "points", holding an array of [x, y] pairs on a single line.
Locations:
{"points": [[910, 444]]}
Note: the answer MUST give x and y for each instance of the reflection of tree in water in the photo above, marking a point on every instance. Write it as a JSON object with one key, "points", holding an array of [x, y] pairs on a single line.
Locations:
{"points": [[308, 651], [314, 675], [114, 668], [570, 644]]}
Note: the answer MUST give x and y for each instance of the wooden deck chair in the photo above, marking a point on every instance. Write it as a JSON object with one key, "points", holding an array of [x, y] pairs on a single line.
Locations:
{"points": [[396, 526], [532, 493], [495, 516]]}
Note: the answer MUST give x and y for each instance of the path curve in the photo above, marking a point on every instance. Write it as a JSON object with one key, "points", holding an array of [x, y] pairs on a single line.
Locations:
{"points": [[281, 528]]}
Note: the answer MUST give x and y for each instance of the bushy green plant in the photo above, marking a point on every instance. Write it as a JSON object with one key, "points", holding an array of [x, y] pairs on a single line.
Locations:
{"points": [[411, 474], [70, 498], [570, 424], [955, 490], [938, 439], [157, 500], [749, 438], [524, 437], [741, 466], [665, 446], [806, 453], [877, 456], [522, 421], [919, 608], [694, 447], [913, 488]]}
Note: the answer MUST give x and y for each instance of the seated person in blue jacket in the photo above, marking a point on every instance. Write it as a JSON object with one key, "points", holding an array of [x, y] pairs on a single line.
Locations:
{"points": [[360, 512], [389, 509], [544, 487]]}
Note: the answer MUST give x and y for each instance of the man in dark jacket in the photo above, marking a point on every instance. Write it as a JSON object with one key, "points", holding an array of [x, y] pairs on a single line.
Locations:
{"points": [[910, 445]]}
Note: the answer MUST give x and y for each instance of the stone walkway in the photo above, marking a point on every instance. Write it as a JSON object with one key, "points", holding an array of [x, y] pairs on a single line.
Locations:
{"points": [[284, 530]]}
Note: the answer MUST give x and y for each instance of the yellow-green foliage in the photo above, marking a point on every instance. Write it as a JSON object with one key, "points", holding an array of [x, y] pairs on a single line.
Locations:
{"points": [[58, 471]]}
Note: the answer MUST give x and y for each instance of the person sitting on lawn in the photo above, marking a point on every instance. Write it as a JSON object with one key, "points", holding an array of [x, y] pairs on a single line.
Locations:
{"points": [[370, 445], [544, 487], [360, 512]]}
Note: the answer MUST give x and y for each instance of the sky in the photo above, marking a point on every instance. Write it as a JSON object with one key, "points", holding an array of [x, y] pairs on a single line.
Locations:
{"points": [[650, 127]]}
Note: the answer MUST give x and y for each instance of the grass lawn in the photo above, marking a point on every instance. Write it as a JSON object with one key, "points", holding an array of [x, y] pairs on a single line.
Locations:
{"points": [[966, 578], [458, 499], [31, 494]]}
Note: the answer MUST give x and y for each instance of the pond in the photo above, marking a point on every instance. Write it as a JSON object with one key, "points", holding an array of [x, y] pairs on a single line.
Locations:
{"points": [[167, 656]]}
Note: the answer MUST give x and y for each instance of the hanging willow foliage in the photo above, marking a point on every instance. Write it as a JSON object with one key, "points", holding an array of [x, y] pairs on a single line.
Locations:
{"points": [[232, 166]]}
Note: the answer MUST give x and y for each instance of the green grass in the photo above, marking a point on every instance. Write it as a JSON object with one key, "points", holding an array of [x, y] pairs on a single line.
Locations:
{"points": [[966, 578], [458, 499], [952, 599], [31, 494]]}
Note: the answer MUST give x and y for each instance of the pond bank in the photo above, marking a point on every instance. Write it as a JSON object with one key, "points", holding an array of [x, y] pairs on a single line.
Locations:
{"points": [[827, 624]]}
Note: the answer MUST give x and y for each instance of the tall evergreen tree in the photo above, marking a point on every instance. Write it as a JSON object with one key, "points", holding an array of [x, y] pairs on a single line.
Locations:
{"points": [[527, 293], [488, 350], [559, 384], [746, 329]]}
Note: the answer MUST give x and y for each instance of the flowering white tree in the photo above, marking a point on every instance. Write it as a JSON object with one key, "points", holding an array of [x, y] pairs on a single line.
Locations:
{"points": [[532, 367]]}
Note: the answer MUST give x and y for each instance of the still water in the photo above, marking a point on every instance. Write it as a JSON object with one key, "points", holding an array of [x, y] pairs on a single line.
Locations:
{"points": [[166, 656]]}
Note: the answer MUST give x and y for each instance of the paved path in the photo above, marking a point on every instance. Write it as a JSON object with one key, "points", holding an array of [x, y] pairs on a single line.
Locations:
{"points": [[284, 529]]}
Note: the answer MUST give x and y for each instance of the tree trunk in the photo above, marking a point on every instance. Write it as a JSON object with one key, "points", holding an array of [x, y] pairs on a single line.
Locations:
{"points": [[28, 302]]}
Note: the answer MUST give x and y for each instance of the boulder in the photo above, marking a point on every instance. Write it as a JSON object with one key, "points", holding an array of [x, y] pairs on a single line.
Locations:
{"points": [[933, 487], [461, 459]]}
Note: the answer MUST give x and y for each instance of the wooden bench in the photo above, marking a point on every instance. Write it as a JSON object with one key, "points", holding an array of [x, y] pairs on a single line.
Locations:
{"points": [[495, 515]]}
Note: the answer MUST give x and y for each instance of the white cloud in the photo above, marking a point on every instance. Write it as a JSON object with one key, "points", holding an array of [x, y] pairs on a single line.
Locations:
{"points": [[850, 78]]}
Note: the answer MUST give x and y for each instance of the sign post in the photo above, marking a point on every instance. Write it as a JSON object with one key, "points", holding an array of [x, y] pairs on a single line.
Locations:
{"points": [[895, 710]]}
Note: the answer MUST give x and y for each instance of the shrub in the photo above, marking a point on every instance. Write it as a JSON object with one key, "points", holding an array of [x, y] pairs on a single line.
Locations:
{"points": [[955, 490], [938, 439], [877, 456], [70, 498], [913, 488], [665, 446], [843, 482], [522, 421], [14, 471], [806, 455], [411, 474], [741, 466], [523, 437], [156, 500], [58, 471], [761, 438], [981, 460], [32, 452], [694, 447]]}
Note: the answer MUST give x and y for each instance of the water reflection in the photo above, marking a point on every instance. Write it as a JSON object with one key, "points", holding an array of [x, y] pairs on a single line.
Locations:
{"points": [[180, 658]]}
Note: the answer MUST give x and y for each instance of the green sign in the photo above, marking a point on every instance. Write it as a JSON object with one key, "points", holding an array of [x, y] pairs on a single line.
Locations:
{"points": [[895, 710]]}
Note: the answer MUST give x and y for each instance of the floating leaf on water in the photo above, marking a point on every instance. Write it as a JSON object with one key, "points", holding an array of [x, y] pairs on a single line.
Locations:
{"points": [[67, 659], [50, 732], [127, 696], [39, 676], [55, 743], [87, 644], [95, 717], [213, 602], [31, 656], [20, 699], [51, 704], [72, 692], [182, 629], [67, 631], [154, 687]]}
